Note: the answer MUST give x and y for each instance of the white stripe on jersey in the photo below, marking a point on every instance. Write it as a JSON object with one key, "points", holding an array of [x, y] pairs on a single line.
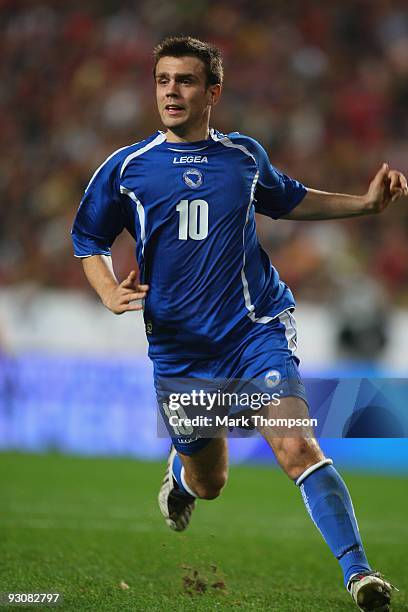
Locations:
{"points": [[247, 297], [287, 318], [140, 212], [188, 150], [106, 161], [158, 140], [228, 143], [224, 140]]}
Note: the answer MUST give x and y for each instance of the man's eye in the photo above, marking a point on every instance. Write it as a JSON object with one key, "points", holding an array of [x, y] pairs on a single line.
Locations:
{"points": [[162, 81]]}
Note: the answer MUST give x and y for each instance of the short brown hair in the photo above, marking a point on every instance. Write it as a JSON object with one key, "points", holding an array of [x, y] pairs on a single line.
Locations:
{"points": [[180, 46]]}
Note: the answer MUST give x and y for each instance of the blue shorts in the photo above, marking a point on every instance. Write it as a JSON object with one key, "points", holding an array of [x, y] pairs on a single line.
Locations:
{"points": [[265, 355]]}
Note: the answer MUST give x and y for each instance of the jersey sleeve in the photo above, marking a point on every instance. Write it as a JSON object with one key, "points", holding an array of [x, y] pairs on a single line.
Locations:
{"points": [[276, 194], [100, 216]]}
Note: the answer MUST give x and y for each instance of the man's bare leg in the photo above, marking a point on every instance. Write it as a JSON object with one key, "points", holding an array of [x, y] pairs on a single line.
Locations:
{"points": [[206, 471], [295, 449], [327, 501], [200, 475]]}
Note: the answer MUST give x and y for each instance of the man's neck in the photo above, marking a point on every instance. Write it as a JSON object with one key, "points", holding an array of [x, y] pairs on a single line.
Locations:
{"points": [[190, 136]]}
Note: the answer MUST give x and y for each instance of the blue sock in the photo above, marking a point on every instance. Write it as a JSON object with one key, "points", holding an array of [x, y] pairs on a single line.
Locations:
{"points": [[178, 475], [329, 504]]}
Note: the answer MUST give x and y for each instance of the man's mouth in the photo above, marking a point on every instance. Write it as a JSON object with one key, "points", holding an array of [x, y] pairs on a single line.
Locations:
{"points": [[173, 109]]}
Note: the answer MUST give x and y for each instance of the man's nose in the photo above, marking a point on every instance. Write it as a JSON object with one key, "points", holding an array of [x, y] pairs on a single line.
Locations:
{"points": [[172, 89]]}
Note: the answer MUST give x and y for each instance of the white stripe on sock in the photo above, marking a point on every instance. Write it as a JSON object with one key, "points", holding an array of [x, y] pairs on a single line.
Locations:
{"points": [[185, 485], [313, 468]]}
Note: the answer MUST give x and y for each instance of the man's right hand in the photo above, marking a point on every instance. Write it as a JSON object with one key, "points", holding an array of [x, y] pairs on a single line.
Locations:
{"points": [[120, 298]]}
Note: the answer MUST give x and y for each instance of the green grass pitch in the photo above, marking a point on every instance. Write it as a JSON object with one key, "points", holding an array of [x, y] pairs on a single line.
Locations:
{"points": [[91, 530]]}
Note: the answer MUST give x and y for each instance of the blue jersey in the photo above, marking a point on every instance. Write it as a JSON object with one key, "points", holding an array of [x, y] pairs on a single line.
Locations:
{"points": [[191, 208]]}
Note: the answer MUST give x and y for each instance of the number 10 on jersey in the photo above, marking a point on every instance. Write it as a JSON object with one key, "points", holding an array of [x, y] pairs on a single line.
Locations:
{"points": [[193, 220]]}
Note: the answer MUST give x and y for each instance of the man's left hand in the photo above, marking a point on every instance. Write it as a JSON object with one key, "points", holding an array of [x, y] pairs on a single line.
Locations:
{"points": [[387, 186]]}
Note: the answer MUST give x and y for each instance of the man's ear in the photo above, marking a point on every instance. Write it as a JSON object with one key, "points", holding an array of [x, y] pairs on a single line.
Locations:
{"points": [[215, 93]]}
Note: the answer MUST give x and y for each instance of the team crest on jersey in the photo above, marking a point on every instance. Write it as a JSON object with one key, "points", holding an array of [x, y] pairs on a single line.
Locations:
{"points": [[272, 378], [193, 178]]}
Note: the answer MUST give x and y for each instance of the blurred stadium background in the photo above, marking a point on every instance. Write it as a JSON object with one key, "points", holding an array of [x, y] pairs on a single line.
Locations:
{"points": [[323, 85]]}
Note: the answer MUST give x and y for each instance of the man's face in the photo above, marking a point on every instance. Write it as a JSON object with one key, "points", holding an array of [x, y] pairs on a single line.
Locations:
{"points": [[183, 98]]}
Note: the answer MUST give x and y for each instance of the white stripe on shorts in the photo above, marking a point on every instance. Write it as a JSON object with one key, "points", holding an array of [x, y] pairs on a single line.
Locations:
{"points": [[288, 320]]}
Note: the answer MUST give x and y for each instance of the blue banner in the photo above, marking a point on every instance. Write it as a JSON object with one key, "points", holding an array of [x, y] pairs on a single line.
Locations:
{"points": [[107, 406]]}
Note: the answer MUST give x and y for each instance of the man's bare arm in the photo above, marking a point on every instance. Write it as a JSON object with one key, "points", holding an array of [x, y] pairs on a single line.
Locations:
{"points": [[387, 186], [117, 297]]}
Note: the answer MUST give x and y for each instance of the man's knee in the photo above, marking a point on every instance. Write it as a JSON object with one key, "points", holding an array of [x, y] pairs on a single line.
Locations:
{"points": [[209, 488], [295, 455]]}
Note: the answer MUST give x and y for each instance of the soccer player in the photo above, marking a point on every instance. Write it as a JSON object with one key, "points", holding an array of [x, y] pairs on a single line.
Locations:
{"points": [[214, 306]]}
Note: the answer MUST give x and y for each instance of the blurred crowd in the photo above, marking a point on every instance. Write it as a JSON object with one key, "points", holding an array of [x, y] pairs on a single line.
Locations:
{"points": [[323, 85]]}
